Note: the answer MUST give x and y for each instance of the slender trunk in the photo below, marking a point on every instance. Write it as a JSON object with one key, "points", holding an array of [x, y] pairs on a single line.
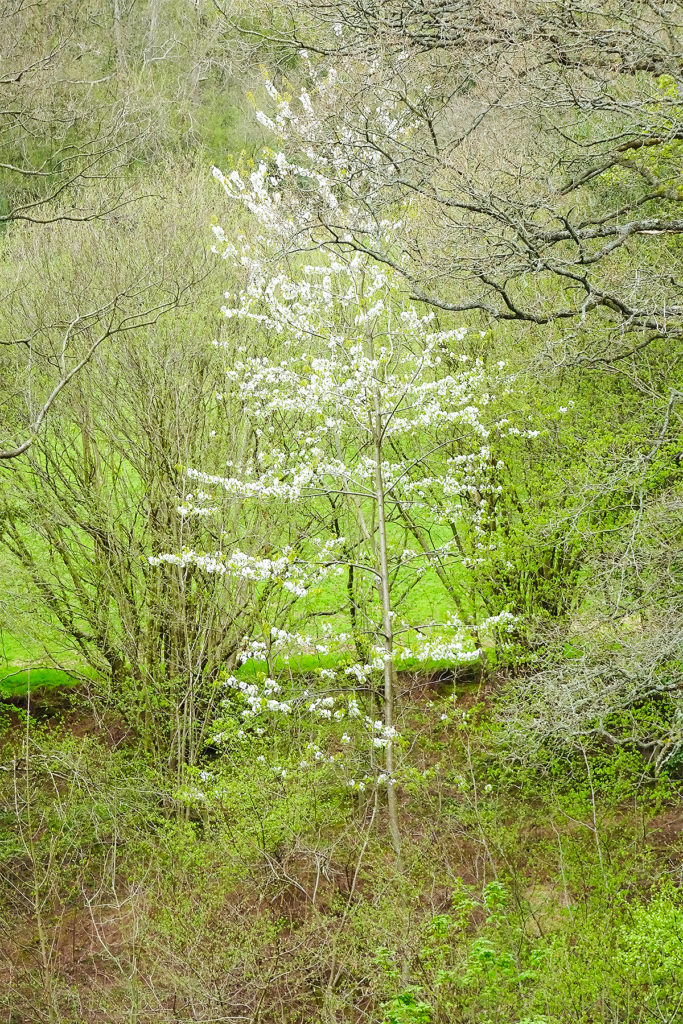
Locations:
{"points": [[117, 33], [387, 629]]}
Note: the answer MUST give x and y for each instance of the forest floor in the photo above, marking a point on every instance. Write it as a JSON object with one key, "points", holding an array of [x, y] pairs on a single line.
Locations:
{"points": [[537, 889]]}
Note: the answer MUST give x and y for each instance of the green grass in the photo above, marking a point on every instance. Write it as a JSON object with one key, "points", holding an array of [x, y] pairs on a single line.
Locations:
{"points": [[18, 674], [17, 682], [12, 650]]}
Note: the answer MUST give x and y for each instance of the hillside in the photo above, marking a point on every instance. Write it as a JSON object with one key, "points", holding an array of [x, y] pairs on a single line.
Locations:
{"points": [[341, 396]]}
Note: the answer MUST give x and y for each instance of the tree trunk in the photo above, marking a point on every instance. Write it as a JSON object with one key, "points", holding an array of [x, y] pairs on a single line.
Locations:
{"points": [[387, 630]]}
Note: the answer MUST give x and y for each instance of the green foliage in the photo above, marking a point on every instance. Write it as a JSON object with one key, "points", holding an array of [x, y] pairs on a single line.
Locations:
{"points": [[652, 943], [407, 1008]]}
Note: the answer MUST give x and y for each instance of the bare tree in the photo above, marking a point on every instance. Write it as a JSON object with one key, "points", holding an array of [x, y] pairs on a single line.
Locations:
{"points": [[542, 166], [65, 128], [96, 495], [75, 125], [94, 326]]}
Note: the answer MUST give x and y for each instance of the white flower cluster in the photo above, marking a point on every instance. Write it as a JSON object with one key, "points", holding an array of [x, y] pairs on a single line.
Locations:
{"points": [[257, 699], [193, 505], [286, 195], [382, 779], [453, 641], [287, 570]]}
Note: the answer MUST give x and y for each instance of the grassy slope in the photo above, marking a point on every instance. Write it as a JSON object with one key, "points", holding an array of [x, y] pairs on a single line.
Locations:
{"points": [[23, 666], [529, 891]]}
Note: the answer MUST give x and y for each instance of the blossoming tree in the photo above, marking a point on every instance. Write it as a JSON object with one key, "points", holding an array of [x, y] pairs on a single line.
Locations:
{"points": [[372, 426]]}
